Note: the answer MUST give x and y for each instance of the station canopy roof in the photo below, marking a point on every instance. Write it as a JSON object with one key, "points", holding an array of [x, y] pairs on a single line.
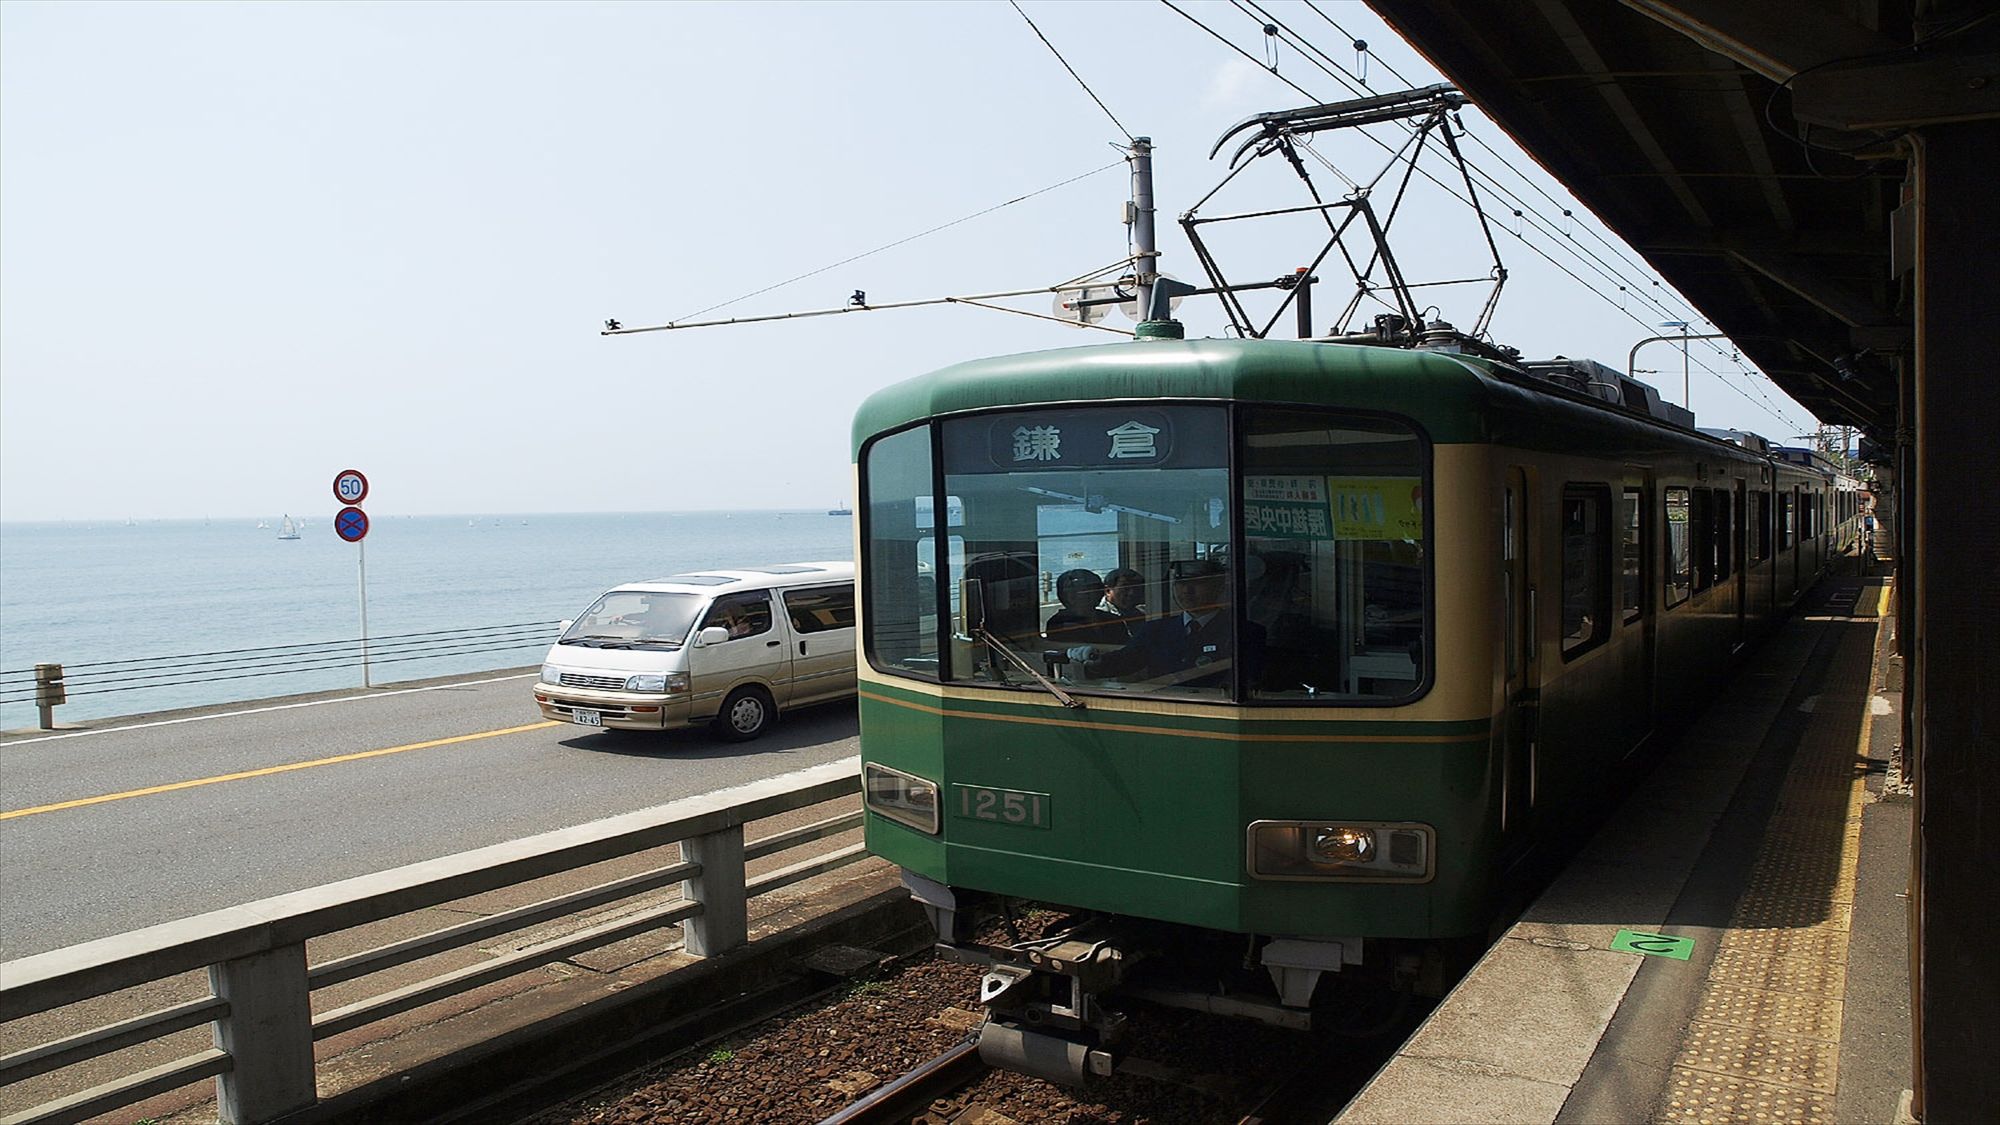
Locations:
{"points": [[1749, 151]]}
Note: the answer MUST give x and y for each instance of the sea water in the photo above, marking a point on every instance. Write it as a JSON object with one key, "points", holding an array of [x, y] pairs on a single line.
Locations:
{"points": [[81, 593]]}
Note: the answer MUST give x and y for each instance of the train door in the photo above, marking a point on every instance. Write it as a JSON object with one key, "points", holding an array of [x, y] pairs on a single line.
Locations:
{"points": [[1517, 638], [1636, 520], [1739, 540], [1793, 525]]}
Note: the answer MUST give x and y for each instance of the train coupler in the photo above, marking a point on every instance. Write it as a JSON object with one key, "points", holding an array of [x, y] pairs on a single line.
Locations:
{"points": [[1068, 1059]]}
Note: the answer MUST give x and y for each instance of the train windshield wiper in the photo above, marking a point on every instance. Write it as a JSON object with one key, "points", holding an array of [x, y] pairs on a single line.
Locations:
{"points": [[1020, 662]]}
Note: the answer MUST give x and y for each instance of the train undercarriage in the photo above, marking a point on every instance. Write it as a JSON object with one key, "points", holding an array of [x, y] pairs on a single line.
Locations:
{"points": [[1058, 984]]}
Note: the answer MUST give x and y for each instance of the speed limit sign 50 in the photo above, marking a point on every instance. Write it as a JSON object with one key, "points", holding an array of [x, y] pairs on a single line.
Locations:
{"points": [[350, 487]]}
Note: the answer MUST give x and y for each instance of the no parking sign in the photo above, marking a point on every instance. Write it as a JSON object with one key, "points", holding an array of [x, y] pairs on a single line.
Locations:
{"points": [[351, 524]]}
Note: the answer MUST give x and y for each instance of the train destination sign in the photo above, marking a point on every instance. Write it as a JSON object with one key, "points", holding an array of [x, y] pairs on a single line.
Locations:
{"points": [[351, 524], [1113, 437], [1314, 507]]}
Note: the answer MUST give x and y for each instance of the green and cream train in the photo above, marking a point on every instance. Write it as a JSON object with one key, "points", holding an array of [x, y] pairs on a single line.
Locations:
{"points": [[1401, 614]]}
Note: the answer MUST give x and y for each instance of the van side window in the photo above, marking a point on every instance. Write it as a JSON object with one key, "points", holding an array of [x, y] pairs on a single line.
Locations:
{"points": [[820, 608], [744, 615]]}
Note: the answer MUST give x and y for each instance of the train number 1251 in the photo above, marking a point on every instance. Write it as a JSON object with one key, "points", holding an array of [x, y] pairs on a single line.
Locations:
{"points": [[1003, 806]]}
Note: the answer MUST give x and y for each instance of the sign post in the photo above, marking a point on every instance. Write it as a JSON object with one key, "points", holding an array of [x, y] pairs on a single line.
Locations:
{"points": [[350, 487]]}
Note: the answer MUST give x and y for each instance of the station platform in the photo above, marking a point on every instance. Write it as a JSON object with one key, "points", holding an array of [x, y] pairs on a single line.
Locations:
{"points": [[1732, 946]]}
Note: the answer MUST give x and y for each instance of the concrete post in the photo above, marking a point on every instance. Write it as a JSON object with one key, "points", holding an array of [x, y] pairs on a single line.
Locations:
{"points": [[268, 1034], [724, 921], [49, 692]]}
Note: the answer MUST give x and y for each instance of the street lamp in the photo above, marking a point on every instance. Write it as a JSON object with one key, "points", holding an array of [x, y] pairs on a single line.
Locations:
{"points": [[1686, 399], [1683, 337]]}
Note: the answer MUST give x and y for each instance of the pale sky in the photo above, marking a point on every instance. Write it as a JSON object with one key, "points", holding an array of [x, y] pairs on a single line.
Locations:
{"points": [[244, 246]]}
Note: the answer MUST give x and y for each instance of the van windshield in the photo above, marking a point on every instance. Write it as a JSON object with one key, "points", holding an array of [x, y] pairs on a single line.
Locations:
{"points": [[635, 619]]}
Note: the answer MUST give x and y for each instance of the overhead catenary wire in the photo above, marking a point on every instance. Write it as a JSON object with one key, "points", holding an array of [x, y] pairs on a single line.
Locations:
{"points": [[899, 242], [1072, 72], [1537, 222], [1625, 284], [1355, 84], [1477, 140], [1303, 92]]}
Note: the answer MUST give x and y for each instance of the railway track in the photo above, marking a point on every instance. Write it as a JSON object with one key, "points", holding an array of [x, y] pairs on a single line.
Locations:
{"points": [[900, 1046], [958, 1088]]}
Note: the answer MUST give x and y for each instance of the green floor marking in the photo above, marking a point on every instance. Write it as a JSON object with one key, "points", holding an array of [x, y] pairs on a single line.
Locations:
{"points": [[1653, 945]]}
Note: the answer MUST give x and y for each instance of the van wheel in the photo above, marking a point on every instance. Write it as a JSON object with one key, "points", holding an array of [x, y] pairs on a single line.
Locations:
{"points": [[745, 714]]}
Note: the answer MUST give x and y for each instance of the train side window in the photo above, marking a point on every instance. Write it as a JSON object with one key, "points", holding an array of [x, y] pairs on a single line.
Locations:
{"points": [[899, 561], [1725, 534], [1336, 572], [1586, 576], [1701, 533], [1679, 574], [1632, 555], [1784, 521], [1757, 537]]}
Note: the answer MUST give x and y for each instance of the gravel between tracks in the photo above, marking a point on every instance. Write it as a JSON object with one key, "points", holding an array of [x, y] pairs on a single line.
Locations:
{"points": [[808, 1063]]}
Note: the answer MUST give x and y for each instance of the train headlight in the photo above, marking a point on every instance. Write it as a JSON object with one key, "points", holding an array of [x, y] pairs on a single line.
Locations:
{"points": [[1328, 850], [903, 798], [1343, 845]]}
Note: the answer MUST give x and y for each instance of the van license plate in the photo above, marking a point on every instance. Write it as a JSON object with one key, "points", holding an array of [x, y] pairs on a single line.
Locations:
{"points": [[587, 718]]}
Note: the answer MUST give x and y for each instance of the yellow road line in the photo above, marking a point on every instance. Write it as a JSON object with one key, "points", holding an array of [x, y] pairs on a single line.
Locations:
{"points": [[268, 770]]}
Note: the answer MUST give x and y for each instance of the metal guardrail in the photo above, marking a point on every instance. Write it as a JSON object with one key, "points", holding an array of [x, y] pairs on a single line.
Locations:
{"points": [[262, 986], [49, 685]]}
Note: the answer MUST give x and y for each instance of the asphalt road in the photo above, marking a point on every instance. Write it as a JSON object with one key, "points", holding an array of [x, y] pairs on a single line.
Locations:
{"points": [[119, 827]]}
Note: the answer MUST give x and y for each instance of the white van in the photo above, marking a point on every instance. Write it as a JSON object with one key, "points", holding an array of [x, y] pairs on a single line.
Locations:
{"points": [[731, 647]]}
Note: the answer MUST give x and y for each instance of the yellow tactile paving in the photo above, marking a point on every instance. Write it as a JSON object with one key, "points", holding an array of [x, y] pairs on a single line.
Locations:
{"points": [[1745, 1052], [1809, 1016], [1698, 1096], [1765, 1043], [1821, 941]]}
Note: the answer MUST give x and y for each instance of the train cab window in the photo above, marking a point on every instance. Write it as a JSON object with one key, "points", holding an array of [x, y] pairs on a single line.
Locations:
{"points": [[899, 554], [1336, 570], [1586, 568], [1632, 555], [1046, 492], [1280, 554], [1679, 577]]}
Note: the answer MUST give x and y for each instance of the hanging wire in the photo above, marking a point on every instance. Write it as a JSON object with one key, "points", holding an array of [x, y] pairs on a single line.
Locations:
{"points": [[1642, 293], [1073, 73], [1534, 217], [1477, 140], [1357, 85], [898, 242]]}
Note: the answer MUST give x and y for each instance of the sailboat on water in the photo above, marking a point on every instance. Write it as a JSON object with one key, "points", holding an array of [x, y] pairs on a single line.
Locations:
{"points": [[287, 529]]}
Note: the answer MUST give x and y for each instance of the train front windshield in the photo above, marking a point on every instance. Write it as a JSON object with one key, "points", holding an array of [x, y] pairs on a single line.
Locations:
{"points": [[1301, 575]]}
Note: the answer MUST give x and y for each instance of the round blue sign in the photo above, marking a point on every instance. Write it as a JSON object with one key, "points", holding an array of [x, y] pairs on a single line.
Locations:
{"points": [[351, 524]]}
